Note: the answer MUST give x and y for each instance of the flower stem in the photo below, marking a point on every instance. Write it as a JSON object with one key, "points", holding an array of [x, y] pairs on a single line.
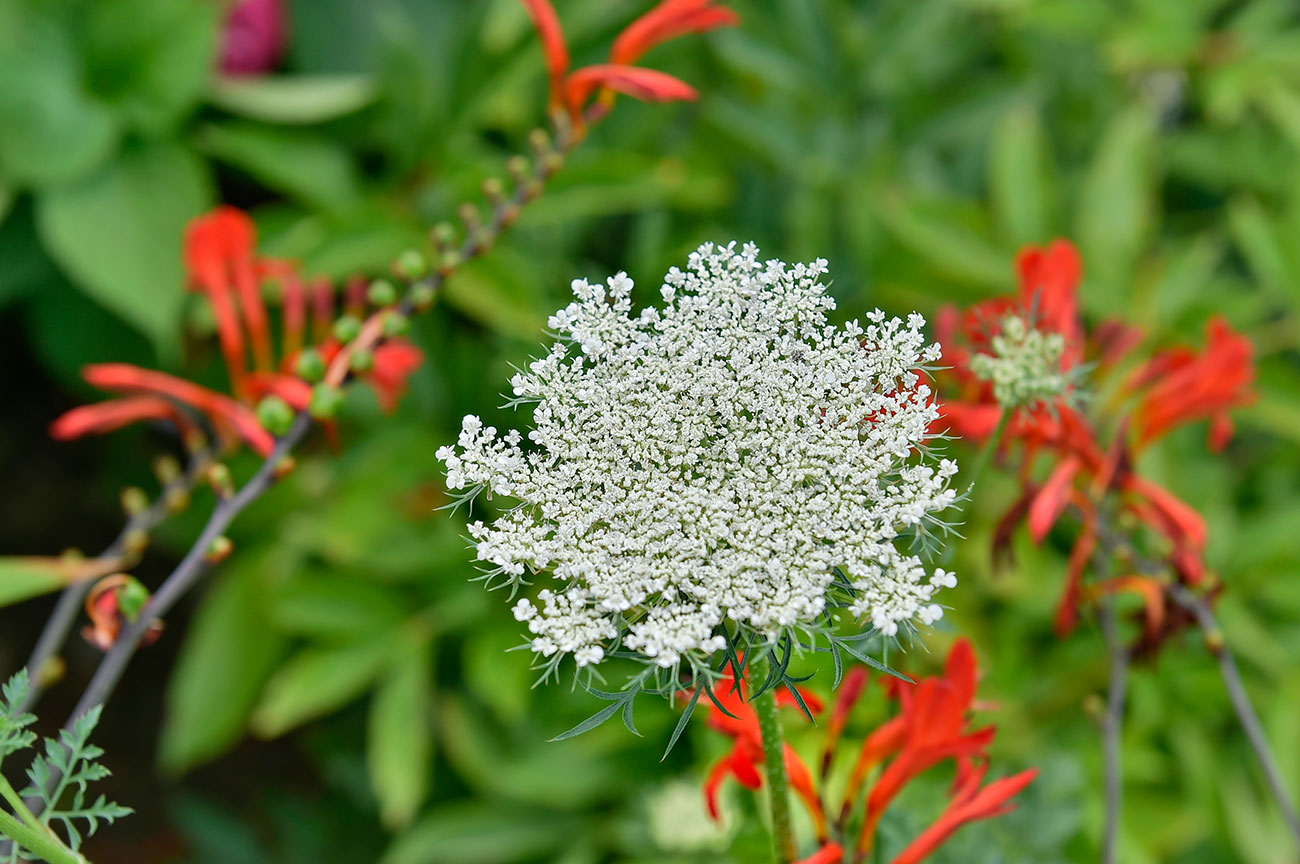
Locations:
{"points": [[1200, 607], [990, 447], [1112, 727], [30, 834], [778, 785]]}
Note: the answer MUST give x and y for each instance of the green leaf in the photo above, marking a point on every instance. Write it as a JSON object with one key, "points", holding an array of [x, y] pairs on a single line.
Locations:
{"points": [[119, 233], [1019, 177], [51, 129], [399, 738], [22, 578], [230, 651], [7, 198], [1117, 206], [317, 681], [480, 833], [948, 246], [322, 605], [151, 59], [310, 167], [302, 100]]}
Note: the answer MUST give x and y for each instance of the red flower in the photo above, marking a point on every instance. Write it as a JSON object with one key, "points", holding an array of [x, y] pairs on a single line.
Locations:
{"points": [[933, 725], [395, 360], [668, 20], [113, 602], [572, 91], [108, 416], [1186, 386], [968, 804]]}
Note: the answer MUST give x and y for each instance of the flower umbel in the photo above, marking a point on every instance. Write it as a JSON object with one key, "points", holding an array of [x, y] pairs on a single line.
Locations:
{"points": [[729, 457], [1025, 366]]}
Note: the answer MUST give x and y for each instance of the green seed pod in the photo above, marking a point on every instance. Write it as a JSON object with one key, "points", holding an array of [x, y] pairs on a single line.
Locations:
{"points": [[395, 323], [411, 265], [325, 401], [362, 361], [382, 293]]}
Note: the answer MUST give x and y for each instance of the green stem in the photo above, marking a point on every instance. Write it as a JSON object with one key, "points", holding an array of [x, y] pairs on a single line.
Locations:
{"points": [[778, 785], [990, 447], [30, 834]]}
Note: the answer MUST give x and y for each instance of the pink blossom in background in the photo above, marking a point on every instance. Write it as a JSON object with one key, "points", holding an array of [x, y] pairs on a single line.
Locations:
{"points": [[253, 38]]}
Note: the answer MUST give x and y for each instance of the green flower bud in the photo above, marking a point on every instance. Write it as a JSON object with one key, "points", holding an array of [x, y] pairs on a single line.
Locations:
{"points": [[422, 295], [310, 365], [131, 598], [382, 293], [347, 328], [325, 401], [362, 361], [275, 415], [411, 265], [395, 323]]}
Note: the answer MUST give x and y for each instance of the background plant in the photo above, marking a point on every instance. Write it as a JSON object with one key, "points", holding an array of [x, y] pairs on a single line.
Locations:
{"points": [[916, 146]]}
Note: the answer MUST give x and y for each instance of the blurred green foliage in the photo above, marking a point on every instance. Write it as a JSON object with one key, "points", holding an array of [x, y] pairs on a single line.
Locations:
{"points": [[916, 145]]}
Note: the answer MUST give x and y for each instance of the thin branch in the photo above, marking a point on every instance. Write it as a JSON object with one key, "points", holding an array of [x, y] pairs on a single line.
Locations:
{"points": [[1112, 728], [1200, 607], [64, 617]]}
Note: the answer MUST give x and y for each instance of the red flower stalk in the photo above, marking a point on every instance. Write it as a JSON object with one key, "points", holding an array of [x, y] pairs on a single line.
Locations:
{"points": [[933, 726]]}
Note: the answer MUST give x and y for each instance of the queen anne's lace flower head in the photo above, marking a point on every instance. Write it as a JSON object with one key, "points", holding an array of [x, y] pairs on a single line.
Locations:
{"points": [[727, 460]]}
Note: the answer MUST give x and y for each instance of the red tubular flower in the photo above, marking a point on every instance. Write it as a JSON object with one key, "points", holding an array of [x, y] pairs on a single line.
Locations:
{"points": [[395, 361], [553, 45], [110, 605], [1151, 592], [1049, 503], [1189, 386], [831, 853], [208, 243], [112, 415], [968, 805], [850, 692], [1049, 291], [1067, 611], [322, 310], [650, 85], [294, 391], [228, 415], [669, 20]]}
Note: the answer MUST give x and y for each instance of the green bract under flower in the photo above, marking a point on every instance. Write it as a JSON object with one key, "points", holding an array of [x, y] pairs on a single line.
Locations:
{"points": [[729, 462]]}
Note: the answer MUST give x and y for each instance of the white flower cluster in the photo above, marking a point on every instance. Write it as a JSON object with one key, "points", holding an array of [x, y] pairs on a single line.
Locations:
{"points": [[730, 456], [1025, 366]]}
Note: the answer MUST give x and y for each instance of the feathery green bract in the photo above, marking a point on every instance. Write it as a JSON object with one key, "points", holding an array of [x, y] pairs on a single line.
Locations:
{"points": [[60, 777]]}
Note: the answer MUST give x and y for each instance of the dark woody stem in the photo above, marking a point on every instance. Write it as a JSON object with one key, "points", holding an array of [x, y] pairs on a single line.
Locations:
{"points": [[778, 786], [1112, 729], [127, 545], [193, 566], [1199, 606]]}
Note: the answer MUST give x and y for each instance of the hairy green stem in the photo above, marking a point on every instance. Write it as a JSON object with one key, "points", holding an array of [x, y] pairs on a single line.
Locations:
{"points": [[28, 832], [990, 447], [778, 785]]}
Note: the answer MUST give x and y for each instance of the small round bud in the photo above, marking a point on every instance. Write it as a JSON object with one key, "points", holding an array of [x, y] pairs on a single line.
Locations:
{"points": [[178, 500], [361, 360], [136, 542], [443, 235], [517, 168], [285, 467], [493, 190], [347, 328], [410, 265], [134, 501], [325, 401], [395, 323], [539, 141], [423, 294], [275, 415], [310, 365], [469, 214], [450, 261], [166, 469], [382, 292], [220, 480], [219, 550], [131, 598]]}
